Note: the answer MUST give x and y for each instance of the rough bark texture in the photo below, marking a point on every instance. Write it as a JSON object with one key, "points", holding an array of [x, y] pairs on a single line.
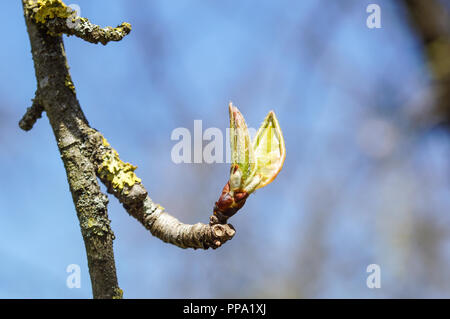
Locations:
{"points": [[86, 154], [84, 29]]}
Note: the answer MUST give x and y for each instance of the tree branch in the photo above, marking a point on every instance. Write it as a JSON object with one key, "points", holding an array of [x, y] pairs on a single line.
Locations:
{"points": [[57, 98], [59, 18], [87, 155], [84, 29], [120, 180]]}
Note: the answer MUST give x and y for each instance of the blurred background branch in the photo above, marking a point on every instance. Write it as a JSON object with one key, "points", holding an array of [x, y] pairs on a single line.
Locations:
{"points": [[431, 21]]}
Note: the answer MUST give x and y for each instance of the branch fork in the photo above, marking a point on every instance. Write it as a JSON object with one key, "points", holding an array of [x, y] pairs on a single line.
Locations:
{"points": [[87, 155], [58, 18]]}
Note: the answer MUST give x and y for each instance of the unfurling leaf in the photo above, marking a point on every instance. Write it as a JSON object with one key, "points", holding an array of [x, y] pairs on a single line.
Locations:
{"points": [[243, 164], [254, 165], [269, 150]]}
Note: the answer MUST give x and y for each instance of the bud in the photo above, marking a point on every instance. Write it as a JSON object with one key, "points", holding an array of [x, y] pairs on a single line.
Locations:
{"points": [[253, 165]]}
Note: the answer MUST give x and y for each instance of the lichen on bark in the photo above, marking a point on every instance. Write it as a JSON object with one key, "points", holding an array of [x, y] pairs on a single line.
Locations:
{"points": [[42, 10], [119, 173]]}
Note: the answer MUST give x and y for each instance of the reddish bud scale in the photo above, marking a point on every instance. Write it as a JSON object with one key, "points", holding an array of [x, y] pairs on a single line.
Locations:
{"points": [[228, 205]]}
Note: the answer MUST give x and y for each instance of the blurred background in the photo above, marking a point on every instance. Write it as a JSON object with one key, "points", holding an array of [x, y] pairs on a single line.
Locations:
{"points": [[365, 114]]}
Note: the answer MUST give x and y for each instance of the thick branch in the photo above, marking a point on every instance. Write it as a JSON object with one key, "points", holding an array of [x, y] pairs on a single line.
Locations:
{"points": [[57, 97]]}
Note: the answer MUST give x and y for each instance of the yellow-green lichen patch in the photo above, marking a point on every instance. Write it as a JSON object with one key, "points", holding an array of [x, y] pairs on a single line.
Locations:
{"points": [[49, 9], [91, 222], [125, 27], [68, 82], [120, 174], [118, 293], [105, 142], [96, 227]]}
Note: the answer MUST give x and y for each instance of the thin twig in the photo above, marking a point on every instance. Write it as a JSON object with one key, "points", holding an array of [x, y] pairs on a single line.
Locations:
{"points": [[84, 29], [33, 113]]}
